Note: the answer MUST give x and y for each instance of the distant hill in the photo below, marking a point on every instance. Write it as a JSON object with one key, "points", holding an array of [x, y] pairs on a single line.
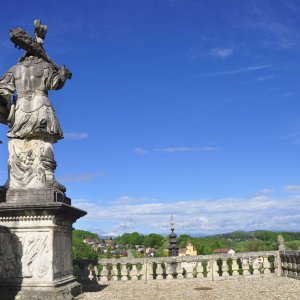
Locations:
{"points": [[242, 241]]}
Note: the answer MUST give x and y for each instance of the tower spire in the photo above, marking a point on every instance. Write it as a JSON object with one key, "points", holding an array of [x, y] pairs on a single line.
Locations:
{"points": [[173, 246]]}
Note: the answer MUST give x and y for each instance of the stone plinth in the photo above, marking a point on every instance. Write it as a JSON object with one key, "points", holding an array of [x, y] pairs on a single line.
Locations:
{"points": [[36, 251]]}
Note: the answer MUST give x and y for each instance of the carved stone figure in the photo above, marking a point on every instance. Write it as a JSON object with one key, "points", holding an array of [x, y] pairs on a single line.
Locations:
{"points": [[36, 217], [26, 108]]}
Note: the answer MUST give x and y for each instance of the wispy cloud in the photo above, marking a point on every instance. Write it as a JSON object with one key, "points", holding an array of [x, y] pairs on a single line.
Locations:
{"points": [[268, 26], [263, 78], [293, 137], [265, 191], [292, 188], [221, 52], [215, 52], [289, 136], [76, 136], [140, 151], [201, 216], [80, 177], [185, 149], [239, 70]]}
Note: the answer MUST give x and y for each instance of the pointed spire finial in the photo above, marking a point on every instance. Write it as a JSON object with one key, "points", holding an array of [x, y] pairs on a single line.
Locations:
{"points": [[172, 222]]}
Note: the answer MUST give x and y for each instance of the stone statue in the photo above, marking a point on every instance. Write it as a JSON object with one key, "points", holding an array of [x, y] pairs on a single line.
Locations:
{"points": [[27, 110], [36, 217]]}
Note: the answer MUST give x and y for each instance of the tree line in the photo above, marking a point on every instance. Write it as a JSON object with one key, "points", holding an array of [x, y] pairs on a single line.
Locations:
{"points": [[240, 241]]}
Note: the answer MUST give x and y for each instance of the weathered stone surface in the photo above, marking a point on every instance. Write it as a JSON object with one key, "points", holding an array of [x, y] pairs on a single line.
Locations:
{"points": [[36, 251], [33, 124], [33, 196]]}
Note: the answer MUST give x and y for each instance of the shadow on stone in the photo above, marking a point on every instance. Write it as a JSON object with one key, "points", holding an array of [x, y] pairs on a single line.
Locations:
{"points": [[93, 287], [10, 264]]}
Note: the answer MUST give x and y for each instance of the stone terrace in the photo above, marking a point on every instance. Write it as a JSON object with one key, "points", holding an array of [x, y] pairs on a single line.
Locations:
{"points": [[253, 275], [264, 288]]}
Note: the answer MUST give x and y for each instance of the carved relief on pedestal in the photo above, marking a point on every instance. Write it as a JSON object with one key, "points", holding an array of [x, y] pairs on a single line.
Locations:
{"points": [[35, 259]]}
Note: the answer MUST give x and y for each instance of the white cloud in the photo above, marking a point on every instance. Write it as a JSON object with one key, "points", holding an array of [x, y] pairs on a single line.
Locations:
{"points": [[185, 149], [129, 200], [265, 191], [198, 216], [140, 151], [221, 52], [76, 136], [292, 188]]}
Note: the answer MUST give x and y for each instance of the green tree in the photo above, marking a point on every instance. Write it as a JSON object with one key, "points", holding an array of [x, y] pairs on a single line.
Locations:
{"points": [[80, 250], [82, 234], [131, 239], [182, 240], [153, 240]]}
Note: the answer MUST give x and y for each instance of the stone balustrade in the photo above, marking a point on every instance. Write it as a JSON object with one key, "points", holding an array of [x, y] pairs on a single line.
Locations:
{"points": [[209, 267], [290, 263]]}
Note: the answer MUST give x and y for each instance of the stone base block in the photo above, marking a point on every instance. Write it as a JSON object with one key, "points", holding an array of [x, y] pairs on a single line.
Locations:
{"points": [[66, 292], [33, 196], [36, 251]]}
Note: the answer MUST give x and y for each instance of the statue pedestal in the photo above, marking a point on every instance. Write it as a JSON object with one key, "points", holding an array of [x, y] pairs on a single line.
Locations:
{"points": [[36, 251]]}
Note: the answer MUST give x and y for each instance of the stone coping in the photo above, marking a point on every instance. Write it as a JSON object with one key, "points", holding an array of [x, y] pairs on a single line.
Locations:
{"points": [[126, 260], [45, 209]]}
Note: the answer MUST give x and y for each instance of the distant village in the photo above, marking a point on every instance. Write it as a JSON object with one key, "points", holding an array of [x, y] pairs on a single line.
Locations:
{"points": [[110, 246]]}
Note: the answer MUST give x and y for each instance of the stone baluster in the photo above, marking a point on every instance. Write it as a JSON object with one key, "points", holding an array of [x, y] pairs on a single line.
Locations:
{"points": [[245, 266], [141, 272], [134, 273], [150, 271], [179, 270], [209, 269], [277, 265], [159, 271], [289, 265], [104, 272], [298, 264], [124, 272], [255, 266], [114, 272], [169, 270], [284, 264], [214, 268], [190, 270], [266, 264], [294, 264], [224, 268], [235, 267], [97, 273], [199, 269]]}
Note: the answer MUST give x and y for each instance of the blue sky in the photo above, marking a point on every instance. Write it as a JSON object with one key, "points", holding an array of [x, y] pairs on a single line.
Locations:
{"points": [[177, 107]]}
